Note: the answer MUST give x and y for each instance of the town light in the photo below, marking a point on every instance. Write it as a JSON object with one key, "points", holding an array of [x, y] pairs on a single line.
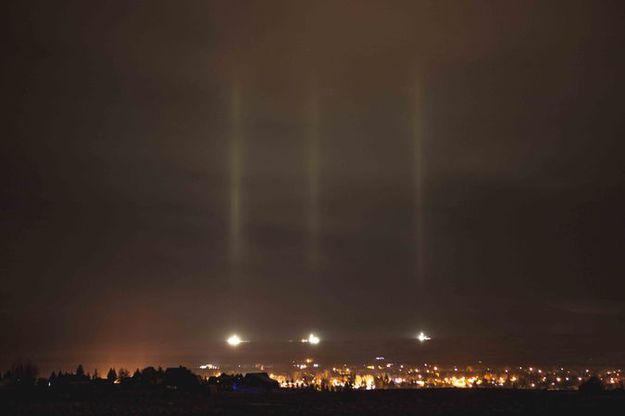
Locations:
{"points": [[422, 337], [312, 339], [234, 340]]}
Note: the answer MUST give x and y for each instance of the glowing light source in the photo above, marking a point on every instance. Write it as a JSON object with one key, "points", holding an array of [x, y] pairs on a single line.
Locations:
{"points": [[312, 339], [422, 337], [234, 340]]}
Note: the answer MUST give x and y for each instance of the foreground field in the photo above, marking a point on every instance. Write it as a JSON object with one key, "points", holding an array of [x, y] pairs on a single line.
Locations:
{"points": [[387, 402]]}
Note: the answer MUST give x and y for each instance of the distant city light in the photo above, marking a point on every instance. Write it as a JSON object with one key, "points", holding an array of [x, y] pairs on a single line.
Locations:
{"points": [[234, 340], [422, 337], [312, 339], [393, 375]]}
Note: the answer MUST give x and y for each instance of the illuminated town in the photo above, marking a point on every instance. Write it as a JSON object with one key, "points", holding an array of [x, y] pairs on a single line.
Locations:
{"points": [[386, 374]]}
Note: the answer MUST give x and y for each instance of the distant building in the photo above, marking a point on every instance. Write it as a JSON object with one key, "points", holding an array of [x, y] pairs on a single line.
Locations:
{"points": [[258, 382], [181, 378]]}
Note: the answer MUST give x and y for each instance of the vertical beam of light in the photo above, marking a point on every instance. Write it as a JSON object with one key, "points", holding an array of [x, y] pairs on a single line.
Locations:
{"points": [[313, 176], [418, 181], [235, 179]]}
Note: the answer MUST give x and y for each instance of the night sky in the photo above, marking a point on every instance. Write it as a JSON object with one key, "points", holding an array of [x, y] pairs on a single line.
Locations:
{"points": [[172, 172]]}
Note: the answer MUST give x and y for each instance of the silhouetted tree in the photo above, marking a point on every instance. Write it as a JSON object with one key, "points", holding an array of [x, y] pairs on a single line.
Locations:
{"points": [[96, 375], [112, 375], [592, 385], [348, 385], [123, 374], [80, 371], [23, 373], [150, 375], [325, 384]]}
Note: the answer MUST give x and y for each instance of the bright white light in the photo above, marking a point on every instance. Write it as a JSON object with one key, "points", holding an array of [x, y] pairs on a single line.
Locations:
{"points": [[422, 337], [312, 339], [234, 340]]}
